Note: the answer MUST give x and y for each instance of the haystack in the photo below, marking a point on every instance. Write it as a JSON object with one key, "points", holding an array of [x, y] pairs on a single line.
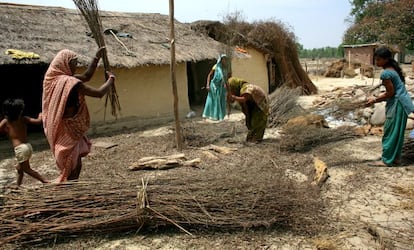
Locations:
{"points": [[271, 37]]}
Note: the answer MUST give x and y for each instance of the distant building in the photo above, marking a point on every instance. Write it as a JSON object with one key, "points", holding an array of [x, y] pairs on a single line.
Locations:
{"points": [[364, 53]]}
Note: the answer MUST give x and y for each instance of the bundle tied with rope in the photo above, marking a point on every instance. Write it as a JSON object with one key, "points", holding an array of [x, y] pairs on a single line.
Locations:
{"points": [[90, 11]]}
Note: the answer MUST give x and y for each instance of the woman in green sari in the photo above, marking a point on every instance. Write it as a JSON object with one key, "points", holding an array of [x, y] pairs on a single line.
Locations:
{"points": [[215, 107], [399, 106], [254, 103]]}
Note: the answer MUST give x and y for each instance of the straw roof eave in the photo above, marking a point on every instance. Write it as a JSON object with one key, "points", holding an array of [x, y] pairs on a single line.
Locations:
{"points": [[46, 30]]}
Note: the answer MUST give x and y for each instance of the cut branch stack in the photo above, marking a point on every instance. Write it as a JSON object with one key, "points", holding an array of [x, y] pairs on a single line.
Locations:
{"points": [[90, 11], [226, 200], [283, 106]]}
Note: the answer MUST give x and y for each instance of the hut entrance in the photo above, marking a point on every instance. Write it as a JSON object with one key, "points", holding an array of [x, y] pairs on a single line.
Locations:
{"points": [[275, 78], [197, 77], [24, 81]]}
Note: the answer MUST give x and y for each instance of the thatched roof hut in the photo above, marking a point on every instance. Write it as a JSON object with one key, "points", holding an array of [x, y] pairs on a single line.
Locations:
{"points": [[269, 37], [46, 30], [142, 66]]}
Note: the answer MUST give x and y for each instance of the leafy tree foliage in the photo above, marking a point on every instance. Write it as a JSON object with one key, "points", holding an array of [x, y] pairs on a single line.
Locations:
{"points": [[387, 21], [325, 52]]}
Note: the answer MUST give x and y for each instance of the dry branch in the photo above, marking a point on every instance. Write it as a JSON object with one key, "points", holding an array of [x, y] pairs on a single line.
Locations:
{"points": [[164, 162], [283, 106], [304, 138], [224, 200], [90, 11]]}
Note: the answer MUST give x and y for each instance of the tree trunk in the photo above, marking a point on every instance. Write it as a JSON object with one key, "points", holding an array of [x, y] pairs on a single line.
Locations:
{"points": [[178, 137]]}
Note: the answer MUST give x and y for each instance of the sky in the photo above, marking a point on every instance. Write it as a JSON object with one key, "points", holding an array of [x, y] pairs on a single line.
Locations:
{"points": [[316, 23]]}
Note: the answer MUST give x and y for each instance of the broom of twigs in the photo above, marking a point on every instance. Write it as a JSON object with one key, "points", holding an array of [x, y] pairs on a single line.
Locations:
{"points": [[225, 201], [284, 105], [90, 11]]}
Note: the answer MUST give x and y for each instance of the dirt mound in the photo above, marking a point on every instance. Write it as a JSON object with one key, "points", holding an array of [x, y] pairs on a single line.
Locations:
{"points": [[342, 68]]}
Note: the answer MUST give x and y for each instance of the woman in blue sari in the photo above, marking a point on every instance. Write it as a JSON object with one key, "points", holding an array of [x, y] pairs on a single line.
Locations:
{"points": [[399, 106], [215, 107]]}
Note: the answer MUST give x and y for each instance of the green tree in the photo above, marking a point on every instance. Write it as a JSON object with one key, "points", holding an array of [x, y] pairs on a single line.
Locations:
{"points": [[387, 21]]}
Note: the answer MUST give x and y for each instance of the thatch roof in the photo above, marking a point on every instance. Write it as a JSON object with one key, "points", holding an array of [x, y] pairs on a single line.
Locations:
{"points": [[272, 38], [46, 30]]}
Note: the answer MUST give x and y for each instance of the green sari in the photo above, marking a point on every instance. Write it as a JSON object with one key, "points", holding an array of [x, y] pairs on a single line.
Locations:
{"points": [[256, 108], [397, 109]]}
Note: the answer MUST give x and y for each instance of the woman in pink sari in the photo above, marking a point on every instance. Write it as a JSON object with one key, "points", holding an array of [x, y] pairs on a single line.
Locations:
{"points": [[65, 114]]}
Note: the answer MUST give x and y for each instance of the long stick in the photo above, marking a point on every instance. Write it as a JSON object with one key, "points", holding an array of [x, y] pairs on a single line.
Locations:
{"points": [[178, 136]]}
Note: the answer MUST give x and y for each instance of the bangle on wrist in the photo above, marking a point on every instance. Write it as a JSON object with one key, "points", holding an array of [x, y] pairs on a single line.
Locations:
{"points": [[111, 76]]}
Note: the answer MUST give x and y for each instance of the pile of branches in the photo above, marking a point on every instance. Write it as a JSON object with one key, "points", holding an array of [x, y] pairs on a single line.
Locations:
{"points": [[283, 105], [304, 138], [270, 36], [226, 201]]}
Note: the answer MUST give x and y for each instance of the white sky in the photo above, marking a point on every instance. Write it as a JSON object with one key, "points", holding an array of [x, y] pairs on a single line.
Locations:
{"points": [[316, 23]]}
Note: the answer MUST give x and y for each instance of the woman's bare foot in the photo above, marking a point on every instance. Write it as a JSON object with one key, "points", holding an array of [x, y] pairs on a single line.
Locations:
{"points": [[60, 179], [377, 164], [397, 162]]}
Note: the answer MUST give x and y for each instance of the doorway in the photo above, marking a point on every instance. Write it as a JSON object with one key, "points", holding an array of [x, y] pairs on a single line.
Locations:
{"points": [[24, 81], [197, 73]]}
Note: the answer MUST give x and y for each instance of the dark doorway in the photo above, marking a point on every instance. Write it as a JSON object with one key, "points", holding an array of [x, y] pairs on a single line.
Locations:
{"points": [[275, 77], [24, 81], [197, 73]]}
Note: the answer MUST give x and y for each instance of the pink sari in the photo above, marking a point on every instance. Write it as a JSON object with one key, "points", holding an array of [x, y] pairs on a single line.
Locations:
{"points": [[66, 136]]}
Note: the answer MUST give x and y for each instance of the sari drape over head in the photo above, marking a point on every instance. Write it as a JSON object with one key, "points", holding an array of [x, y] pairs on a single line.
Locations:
{"points": [[66, 136], [256, 109], [215, 107]]}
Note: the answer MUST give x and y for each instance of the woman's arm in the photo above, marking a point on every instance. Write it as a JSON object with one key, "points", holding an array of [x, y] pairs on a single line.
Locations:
{"points": [[87, 75], [241, 99], [389, 92], [209, 79], [97, 92]]}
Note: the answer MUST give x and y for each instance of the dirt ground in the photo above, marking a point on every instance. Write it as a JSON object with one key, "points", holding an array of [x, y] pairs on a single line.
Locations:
{"points": [[366, 207]]}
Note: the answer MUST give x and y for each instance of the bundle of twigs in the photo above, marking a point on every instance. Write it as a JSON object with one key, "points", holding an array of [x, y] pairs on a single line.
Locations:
{"points": [[284, 105], [341, 107], [304, 138], [259, 198], [90, 11]]}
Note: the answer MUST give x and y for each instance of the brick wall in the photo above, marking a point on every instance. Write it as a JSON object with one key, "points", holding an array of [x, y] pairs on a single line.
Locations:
{"points": [[362, 55]]}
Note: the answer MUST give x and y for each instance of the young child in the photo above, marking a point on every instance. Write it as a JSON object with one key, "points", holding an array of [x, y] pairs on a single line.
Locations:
{"points": [[15, 125]]}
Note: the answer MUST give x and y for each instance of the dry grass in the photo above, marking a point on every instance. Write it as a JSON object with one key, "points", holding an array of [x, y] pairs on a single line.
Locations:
{"points": [[304, 138], [252, 196], [90, 12], [273, 38], [283, 106], [325, 244], [407, 193], [31, 28]]}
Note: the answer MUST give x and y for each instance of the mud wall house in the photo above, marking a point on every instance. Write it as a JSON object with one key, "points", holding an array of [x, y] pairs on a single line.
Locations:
{"points": [[141, 62], [260, 68], [364, 53], [254, 70]]}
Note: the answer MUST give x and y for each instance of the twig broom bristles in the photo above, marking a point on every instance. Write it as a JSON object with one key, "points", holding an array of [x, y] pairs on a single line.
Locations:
{"points": [[90, 11]]}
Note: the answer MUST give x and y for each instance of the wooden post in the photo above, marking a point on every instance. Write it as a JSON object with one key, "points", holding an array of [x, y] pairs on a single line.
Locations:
{"points": [[178, 137], [349, 59]]}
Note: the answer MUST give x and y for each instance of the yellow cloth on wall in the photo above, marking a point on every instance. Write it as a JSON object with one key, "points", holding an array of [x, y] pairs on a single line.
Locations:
{"points": [[20, 55]]}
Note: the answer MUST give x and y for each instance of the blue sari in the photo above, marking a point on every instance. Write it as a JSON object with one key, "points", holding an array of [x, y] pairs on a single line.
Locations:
{"points": [[215, 107], [397, 110]]}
